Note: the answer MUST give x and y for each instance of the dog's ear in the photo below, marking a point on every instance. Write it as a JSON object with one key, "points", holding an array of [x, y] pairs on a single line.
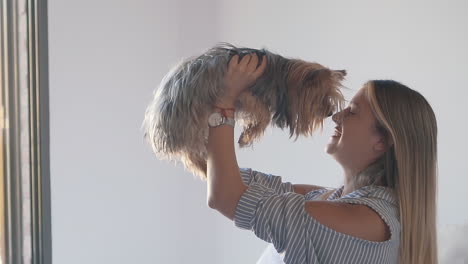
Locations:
{"points": [[343, 72], [339, 74], [312, 76]]}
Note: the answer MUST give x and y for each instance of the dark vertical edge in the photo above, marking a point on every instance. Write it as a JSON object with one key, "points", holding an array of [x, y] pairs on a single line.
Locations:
{"points": [[12, 191], [41, 232]]}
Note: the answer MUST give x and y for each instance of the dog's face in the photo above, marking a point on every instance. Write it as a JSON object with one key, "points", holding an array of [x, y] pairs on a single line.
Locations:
{"points": [[329, 107], [317, 81], [334, 101]]}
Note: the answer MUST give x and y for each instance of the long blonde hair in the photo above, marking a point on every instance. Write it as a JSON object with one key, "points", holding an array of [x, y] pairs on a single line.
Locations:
{"points": [[409, 166]]}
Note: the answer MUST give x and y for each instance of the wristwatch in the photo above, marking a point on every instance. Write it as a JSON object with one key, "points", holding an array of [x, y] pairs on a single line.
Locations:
{"points": [[216, 119]]}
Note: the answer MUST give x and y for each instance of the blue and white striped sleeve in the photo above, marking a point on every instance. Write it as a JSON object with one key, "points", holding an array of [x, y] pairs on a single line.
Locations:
{"points": [[279, 219], [274, 182]]}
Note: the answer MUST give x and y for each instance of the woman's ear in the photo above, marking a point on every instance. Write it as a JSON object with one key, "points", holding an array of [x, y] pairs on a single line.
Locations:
{"points": [[380, 146], [389, 142], [383, 144]]}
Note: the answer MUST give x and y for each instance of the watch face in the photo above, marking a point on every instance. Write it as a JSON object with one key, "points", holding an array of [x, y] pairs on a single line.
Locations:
{"points": [[215, 119]]}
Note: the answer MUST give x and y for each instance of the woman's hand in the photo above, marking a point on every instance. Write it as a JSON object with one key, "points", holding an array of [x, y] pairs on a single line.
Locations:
{"points": [[240, 76]]}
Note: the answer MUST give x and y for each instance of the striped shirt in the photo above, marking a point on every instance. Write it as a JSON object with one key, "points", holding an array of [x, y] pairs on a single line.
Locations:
{"points": [[277, 215]]}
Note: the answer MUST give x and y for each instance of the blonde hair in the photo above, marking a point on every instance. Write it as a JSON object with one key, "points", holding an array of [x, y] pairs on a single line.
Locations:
{"points": [[409, 166]]}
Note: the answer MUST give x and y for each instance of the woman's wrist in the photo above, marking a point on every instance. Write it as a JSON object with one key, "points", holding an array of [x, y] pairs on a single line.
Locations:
{"points": [[225, 111], [226, 102], [225, 106]]}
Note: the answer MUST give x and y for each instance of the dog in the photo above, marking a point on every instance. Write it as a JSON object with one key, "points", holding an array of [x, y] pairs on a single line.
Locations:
{"points": [[291, 93]]}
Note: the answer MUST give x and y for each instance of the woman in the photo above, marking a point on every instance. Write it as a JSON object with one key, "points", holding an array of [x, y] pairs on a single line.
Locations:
{"points": [[385, 212]]}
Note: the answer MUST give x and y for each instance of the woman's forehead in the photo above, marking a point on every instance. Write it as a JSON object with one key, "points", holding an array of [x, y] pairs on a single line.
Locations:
{"points": [[359, 98]]}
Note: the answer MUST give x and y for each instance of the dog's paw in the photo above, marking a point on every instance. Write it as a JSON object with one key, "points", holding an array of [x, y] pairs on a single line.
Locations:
{"points": [[245, 140]]}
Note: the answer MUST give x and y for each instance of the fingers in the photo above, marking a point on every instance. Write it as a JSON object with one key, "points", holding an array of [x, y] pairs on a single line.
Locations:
{"points": [[248, 63], [245, 61], [257, 73], [253, 63], [233, 62]]}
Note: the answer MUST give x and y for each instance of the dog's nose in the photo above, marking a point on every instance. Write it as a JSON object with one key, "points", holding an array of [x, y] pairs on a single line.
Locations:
{"points": [[330, 114]]}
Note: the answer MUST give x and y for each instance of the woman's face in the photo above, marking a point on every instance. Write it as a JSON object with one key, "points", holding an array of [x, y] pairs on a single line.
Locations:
{"points": [[359, 143]]}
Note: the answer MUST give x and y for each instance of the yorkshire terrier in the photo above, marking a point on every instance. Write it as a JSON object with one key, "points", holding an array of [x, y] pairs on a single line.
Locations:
{"points": [[290, 93]]}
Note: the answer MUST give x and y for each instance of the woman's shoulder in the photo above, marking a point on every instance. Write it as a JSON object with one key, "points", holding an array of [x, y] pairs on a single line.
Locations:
{"points": [[369, 192], [375, 193]]}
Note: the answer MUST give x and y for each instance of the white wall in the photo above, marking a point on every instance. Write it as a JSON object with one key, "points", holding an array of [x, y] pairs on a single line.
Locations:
{"points": [[114, 202]]}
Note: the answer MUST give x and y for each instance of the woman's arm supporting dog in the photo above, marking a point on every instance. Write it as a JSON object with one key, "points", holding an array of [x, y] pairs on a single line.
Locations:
{"points": [[225, 185]]}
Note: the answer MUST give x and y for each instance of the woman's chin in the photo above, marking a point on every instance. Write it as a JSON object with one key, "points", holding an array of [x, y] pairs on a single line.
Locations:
{"points": [[331, 147], [332, 144]]}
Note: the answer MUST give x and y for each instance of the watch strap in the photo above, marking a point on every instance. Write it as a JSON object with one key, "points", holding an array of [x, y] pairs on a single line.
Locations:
{"points": [[229, 121]]}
